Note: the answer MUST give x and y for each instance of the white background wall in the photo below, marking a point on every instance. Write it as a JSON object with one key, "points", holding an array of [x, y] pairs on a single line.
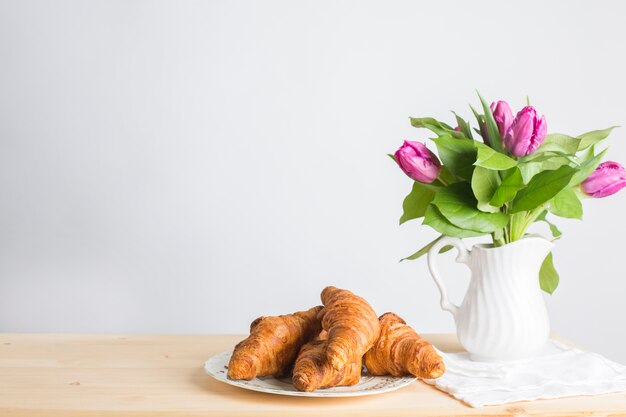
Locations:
{"points": [[188, 166]]}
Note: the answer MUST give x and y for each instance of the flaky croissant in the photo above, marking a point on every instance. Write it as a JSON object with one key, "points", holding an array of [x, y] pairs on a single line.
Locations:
{"points": [[352, 326], [273, 344], [401, 351], [313, 369]]}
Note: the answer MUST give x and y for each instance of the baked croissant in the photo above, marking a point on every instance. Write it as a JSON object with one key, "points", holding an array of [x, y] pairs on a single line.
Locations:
{"points": [[313, 369], [401, 351], [273, 344], [352, 326]]}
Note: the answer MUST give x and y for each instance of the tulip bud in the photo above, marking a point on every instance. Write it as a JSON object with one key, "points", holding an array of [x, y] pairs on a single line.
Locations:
{"points": [[607, 179], [418, 162], [503, 116], [526, 132], [484, 133]]}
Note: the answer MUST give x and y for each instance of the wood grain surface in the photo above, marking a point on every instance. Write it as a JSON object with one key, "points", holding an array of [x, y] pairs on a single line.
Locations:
{"points": [[162, 375]]}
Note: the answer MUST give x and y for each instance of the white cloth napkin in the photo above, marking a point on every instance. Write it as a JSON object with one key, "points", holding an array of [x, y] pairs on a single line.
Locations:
{"points": [[559, 371]]}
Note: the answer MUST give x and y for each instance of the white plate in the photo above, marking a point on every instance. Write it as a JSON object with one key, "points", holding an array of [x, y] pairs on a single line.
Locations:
{"points": [[217, 367]]}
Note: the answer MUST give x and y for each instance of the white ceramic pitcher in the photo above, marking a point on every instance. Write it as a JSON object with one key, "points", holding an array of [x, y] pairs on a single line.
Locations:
{"points": [[503, 316]]}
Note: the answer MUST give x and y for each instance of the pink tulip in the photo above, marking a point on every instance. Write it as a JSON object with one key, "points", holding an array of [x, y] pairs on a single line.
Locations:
{"points": [[526, 133], [503, 115], [607, 179], [418, 162]]}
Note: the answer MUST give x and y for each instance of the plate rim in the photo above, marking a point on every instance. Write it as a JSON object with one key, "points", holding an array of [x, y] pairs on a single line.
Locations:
{"points": [[402, 382]]}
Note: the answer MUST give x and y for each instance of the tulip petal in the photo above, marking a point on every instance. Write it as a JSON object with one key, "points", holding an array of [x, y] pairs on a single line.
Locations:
{"points": [[540, 131], [518, 137], [418, 162], [503, 116], [607, 179], [610, 189]]}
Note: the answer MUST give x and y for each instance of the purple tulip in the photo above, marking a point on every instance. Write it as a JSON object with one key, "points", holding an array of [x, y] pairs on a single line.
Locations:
{"points": [[503, 115], [418, 162], [607, 179], [526, 132]]}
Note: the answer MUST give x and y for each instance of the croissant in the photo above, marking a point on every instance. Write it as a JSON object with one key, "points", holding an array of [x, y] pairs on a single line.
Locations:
{"points": [[401, 351], [313, 369], [273, 344], [352, 326]]}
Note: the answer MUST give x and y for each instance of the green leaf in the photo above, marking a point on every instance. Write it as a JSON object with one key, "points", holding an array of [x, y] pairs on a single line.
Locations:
{"points": [[488, 158], [595, 136], [485, 182], [543, 187], [464, 126], [587, 168], [587, 154], [415, 203], [547, 156], [548, 277], [482, 129], [553, 229], [458, 155], [534, 167], [392, 157], [566, 204], [508, 188], [559, 142], [457, 204], [446, 175], [495, 141], [437, 221], [429, 121], [425, 250], [436, 126]]}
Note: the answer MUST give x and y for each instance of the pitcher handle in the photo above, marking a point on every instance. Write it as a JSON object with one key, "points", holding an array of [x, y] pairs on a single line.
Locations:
{"points": [[462, 257]]}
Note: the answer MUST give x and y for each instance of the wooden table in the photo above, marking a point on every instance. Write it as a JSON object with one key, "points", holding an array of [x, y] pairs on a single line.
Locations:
{"points": [[139, 375]]}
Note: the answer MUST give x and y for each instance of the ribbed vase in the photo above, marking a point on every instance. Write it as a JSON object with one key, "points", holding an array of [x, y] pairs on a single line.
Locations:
{"points": [[503, 315]]}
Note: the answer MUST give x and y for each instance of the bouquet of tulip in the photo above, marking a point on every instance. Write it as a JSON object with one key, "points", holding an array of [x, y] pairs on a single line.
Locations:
{"points": [[515, 175]]}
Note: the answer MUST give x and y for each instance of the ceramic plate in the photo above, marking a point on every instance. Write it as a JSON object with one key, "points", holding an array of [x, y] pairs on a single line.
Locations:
{"points": [[217, 367]]}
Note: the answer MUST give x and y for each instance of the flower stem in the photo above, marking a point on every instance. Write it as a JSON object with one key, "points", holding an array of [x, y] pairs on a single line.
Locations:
{"points": [[521, 221]]}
